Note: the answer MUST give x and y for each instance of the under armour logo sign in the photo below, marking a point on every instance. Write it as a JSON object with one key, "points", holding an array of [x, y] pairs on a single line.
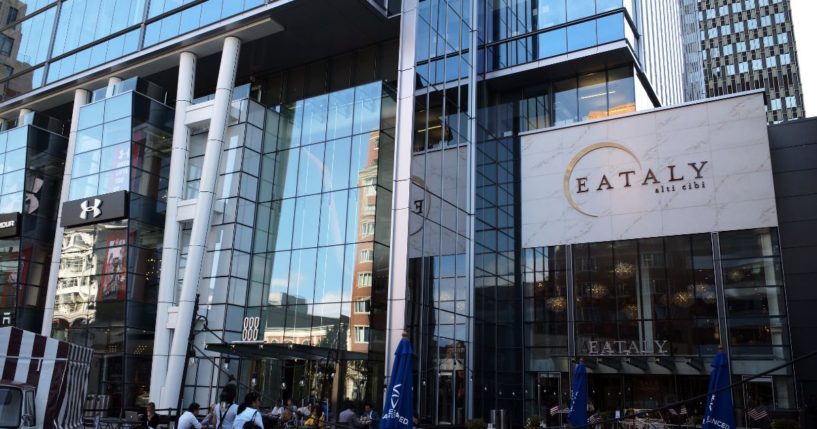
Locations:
{"points": [[395, 395], [87, 207]]}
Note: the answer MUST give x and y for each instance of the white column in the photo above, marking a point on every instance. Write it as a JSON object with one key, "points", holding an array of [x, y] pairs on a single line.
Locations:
{"points": [[201, 222], [112, 81], [170, 243], [399, 253], [22, 115], [81, 98]]}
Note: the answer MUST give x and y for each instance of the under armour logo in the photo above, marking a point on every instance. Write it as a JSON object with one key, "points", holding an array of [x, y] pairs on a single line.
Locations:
{"points": [[86, 207]]}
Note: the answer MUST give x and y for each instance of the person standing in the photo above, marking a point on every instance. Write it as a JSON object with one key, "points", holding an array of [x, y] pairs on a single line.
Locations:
{"points": [[370, 419], [151, 419], [188, 419], [248, 412], [348, 417], [226, 410]]}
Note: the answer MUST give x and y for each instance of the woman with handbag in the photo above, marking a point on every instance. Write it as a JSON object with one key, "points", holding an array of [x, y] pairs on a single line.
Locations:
{"points": [[248, 412]]}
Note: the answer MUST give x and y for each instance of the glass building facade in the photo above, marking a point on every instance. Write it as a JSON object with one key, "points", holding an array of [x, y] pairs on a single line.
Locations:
{"points": [[31, 159], [109, 271], [368, 181]]}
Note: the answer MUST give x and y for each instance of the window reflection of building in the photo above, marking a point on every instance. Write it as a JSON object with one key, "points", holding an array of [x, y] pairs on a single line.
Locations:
{"points": [[662, 294]]}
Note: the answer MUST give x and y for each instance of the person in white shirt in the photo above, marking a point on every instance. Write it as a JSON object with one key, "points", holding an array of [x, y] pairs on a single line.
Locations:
{"points": [[226, 410], [348, 417], [277, 410], [248, 412], [188, 419]]}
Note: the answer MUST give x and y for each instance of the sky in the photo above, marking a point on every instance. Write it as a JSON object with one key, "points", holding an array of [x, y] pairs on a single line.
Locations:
{"points": [[804, 13]]}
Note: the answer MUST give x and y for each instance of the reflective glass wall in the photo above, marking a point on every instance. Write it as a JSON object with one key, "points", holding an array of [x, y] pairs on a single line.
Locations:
{"points": [[645, 315], [32, 157], [518, 32], [439, 302], [109, 272], [319, 272], [88, 33]]}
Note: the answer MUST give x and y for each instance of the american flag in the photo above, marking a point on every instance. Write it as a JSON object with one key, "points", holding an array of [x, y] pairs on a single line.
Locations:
{"points": [[683, 410], [554, 410], [673, 412], [595, 418], [758, 413]]}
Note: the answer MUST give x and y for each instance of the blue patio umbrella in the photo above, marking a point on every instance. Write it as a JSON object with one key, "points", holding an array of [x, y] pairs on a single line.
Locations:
{"points": [[399, 404], [578, 397], [719, 413]]}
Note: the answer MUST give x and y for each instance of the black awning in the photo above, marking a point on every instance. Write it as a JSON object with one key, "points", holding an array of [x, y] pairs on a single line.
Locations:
{"points": [[284, 351]]}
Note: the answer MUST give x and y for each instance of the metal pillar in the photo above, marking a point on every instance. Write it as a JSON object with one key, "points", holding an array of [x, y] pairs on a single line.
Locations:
{"points": [[81, 98], [170, 242], [201, 222]]}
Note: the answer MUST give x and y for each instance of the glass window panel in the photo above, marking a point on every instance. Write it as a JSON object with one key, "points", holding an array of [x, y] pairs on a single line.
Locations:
{"points": [[86, 163], [83, 187], [307, 216], [336, 164], [2, 162], [582, 35], [91, 115], [592, 96], [15, 159], [17, 138], [580, 9], [749, 243], [610, 28], [352, 219], [302, 275], [551, 12], [755, 301], [364, 158], [4, 136], [112, 181], [281, 223], [115, 156], [13, 182], [310, 171], [278, 268], [552, 43], [605, 5], [118, 107], [752, 272], [315, 116], [367, 108], [333, 218], [621, 91], [116, 132], [565, 102], [330, 263], [190, 19], [290, 124], [341, 109], [286, 174], [11, 203], [89, 139]]}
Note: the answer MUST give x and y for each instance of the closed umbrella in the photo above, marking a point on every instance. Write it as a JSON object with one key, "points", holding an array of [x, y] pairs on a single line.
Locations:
{"points": [[719, 413], [578, 397], [398, 405]]}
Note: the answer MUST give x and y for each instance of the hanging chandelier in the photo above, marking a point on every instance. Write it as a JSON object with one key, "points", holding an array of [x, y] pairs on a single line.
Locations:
{"points": [[624, 270], [705, 291], [631, 311], [598, 291], [556, 304], [683, 299]]}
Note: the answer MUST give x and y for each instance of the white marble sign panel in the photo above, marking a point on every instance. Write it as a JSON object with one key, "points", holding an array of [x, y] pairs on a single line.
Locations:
{"points": [[689, 169]]}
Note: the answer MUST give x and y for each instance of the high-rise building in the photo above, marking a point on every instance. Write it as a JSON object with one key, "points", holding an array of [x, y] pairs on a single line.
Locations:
{"points": [[273, 191], [747, 45]]}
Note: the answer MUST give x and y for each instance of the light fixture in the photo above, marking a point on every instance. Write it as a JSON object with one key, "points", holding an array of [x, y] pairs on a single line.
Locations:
{"points": [[736, 274], [598, 291], [556, 304], [705, 291], [683, 299], [631, 311], [624, 270]]}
